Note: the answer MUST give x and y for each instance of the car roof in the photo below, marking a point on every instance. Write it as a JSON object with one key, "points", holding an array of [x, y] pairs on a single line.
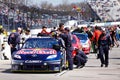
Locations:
{"points": [[45, 38], [81, 34]]}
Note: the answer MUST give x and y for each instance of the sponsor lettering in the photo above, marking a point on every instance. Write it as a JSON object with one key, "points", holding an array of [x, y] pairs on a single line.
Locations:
{"points": [[37, 51], [33, 61]]}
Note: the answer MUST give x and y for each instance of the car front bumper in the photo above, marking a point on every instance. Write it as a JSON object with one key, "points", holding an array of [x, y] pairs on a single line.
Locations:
{"points": [[35, 66], [86, 50]]}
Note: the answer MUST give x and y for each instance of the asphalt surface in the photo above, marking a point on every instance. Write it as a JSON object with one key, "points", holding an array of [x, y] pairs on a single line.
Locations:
{"points": [[92, 70]]}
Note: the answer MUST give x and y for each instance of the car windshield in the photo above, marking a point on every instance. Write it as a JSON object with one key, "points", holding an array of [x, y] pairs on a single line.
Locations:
{"points": [[40, 43], [82, 36]]}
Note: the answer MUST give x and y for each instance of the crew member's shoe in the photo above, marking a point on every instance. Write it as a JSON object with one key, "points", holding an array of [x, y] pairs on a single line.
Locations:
{"points": [[77, 66], [118, 45], [106, 65], [82, 65], [101, 65]]}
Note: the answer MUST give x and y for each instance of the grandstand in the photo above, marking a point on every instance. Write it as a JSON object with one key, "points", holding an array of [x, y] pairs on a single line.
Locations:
{"points": [[14, 15], [107, 10]]}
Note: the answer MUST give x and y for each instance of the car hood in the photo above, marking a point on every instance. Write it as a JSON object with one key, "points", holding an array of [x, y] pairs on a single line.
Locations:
{"points": [[38, 54]]}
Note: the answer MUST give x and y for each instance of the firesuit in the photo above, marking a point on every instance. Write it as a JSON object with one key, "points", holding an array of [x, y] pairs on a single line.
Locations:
{"points": [[81, 58], [13, 41], [103, 45], [67, 37]]}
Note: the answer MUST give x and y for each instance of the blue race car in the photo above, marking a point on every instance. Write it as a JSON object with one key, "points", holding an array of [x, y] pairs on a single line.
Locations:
{"points": [[39, 55]]}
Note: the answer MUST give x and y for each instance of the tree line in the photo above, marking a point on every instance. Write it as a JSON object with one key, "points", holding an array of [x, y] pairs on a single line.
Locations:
{"points": [[48, 8]]}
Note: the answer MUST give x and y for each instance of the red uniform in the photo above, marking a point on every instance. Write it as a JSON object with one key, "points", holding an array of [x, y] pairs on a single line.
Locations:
{"points": [[44, 32], [96, 35]]}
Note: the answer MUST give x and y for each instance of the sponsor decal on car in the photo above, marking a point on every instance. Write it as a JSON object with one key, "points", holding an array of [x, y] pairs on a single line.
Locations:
{"points": [[33, 61], [37, 51]]}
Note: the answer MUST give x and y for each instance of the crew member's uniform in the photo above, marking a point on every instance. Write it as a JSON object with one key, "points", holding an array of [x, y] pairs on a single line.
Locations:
{"points": [[68, 44], [80, 58], [103, 45], [13, 41], [96, 35]]}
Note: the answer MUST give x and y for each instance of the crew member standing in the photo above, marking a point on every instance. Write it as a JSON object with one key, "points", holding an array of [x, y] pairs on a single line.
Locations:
{"points": [[61, 28], [67, 37], [96, 34], [104, 42]]}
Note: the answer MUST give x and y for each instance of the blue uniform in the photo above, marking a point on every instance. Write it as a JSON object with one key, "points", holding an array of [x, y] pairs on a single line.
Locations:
{"points": [[14, 40], [103, 45], [68, 44], [81, 58]]}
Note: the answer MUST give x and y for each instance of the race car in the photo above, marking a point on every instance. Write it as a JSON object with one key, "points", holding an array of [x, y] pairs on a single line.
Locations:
{"points": [[76, 44], [39, 55], [86, 43]]}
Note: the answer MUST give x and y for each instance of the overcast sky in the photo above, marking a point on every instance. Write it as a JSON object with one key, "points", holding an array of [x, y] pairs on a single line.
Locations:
{"points": [[55, 2]]}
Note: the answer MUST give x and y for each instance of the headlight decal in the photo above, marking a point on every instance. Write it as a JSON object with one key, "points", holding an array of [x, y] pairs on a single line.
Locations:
{"points": [[51, 56], [17, 56]]}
